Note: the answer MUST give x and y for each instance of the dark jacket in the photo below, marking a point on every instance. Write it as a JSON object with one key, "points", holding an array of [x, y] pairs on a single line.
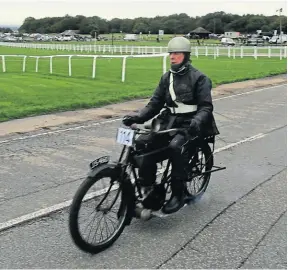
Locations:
{"points": [[191, 87]]}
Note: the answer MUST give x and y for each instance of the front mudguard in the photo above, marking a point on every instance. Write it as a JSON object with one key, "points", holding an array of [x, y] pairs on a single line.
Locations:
{"points": [[115, 171], [108, 169]]}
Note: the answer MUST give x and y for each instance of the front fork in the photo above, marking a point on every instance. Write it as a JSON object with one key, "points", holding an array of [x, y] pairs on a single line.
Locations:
{"points": [[128, 196], [128, 192]]}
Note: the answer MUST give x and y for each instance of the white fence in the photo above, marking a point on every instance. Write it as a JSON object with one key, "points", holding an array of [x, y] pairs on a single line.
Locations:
{"points": [[51, 57], [231, 53], [216, 51]]}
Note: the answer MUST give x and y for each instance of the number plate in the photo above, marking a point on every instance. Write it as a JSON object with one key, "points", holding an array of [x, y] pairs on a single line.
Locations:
{"points": [[125, 136], [99, 161]]}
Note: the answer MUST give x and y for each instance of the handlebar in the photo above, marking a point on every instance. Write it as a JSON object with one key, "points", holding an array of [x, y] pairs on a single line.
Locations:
{"points": [[180, 130], [147, 131]]}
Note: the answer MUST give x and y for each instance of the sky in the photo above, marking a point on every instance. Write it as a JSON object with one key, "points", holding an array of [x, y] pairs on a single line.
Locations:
{"points": [[14, 12]]}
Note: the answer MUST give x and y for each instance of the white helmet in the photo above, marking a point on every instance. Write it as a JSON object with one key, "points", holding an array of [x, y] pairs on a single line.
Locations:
{"points": [[179, 44]]}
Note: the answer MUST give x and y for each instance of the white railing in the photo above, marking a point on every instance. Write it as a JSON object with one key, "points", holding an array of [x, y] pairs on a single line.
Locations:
{"points": [[216, 51], [51, 57]]}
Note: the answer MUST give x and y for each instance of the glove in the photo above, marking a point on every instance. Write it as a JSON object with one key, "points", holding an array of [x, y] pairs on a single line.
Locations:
{"points": [[194, 128], [128, 120]]}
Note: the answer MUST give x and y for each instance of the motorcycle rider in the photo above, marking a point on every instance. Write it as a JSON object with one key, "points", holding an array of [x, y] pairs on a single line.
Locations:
{"points": [[187, 93]]}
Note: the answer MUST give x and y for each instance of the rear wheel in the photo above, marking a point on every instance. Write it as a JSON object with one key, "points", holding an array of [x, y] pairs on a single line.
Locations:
{"points": [[199, 176], [98, 214]]}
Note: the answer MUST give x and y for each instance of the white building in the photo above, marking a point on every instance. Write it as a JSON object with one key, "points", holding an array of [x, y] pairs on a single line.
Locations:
{"points": [[232, 34]]}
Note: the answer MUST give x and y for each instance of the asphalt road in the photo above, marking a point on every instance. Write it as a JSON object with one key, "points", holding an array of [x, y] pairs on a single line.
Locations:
{"points": [[239, 223]]}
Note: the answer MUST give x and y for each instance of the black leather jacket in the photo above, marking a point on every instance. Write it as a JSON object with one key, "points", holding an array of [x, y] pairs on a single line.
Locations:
{"points": [[191, 87]]}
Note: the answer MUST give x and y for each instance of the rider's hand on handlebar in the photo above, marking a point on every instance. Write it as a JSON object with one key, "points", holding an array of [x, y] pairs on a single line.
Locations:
{"points": [[194, 128], [128, 120]]}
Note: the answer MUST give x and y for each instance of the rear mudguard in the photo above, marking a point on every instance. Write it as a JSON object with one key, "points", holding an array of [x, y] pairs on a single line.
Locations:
{"points": [[128, 192]]}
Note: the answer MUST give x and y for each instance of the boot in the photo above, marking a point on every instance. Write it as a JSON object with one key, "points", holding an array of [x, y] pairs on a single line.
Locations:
{"points": [[176, 201]]}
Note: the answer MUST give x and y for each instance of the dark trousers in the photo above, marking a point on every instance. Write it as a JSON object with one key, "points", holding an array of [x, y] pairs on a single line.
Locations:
{"points": [[179, 160]]}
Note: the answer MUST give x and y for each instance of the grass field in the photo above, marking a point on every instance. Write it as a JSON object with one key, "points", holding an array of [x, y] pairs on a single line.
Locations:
{"points": [[30, 93]]}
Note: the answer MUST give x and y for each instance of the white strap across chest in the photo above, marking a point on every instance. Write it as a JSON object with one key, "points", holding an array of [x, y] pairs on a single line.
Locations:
{"points": [[182, 108]]}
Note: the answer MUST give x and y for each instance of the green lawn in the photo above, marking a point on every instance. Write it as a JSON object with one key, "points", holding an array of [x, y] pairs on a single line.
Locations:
{"points": [[31, 93]]}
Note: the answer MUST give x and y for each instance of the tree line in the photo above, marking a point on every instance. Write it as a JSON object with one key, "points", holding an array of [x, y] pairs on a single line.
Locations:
{"points": [[5, 30], [217, 22]]}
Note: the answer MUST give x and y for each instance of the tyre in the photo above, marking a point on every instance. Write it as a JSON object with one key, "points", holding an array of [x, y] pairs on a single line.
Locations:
{"points": [[198, 178], [99, 205]]}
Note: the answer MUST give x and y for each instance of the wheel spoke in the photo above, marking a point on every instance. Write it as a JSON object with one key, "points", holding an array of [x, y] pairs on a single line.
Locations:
{"points": [[92, 220], [199, 179], [111, 222], [95, 235], [90, 215], [101, 233], [96, 229]]}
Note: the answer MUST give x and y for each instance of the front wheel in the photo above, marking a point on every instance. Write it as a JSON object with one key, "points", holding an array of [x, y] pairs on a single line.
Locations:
{"points": [[98, 212]]}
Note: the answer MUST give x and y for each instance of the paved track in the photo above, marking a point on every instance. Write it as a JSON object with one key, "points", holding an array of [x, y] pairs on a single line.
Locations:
{"points": [[240, 222]]}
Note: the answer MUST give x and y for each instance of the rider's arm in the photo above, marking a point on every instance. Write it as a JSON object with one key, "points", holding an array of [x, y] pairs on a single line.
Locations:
{"points": [[204, 101], [155, 104]]}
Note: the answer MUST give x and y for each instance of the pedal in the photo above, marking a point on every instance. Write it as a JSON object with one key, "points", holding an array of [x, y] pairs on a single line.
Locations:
{"points": [[159, 215], [143, 213]]}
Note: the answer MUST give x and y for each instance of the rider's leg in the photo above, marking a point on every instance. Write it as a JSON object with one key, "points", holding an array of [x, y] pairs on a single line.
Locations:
{"points": [[147, 174], [178, 174], [147, 143]]}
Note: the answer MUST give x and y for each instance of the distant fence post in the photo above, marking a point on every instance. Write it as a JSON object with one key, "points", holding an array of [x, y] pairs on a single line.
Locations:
{"points": [[241, 53], [269, 52], [3, 64], [196, 52], [37, 62], [165, 63], [51, 64], [70, 66], [94, 67], [255, 52], [124, 68], [24, 63]]}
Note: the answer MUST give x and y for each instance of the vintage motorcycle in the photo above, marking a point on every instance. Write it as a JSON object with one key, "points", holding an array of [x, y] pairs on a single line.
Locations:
{"points": [[112, 195]]}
